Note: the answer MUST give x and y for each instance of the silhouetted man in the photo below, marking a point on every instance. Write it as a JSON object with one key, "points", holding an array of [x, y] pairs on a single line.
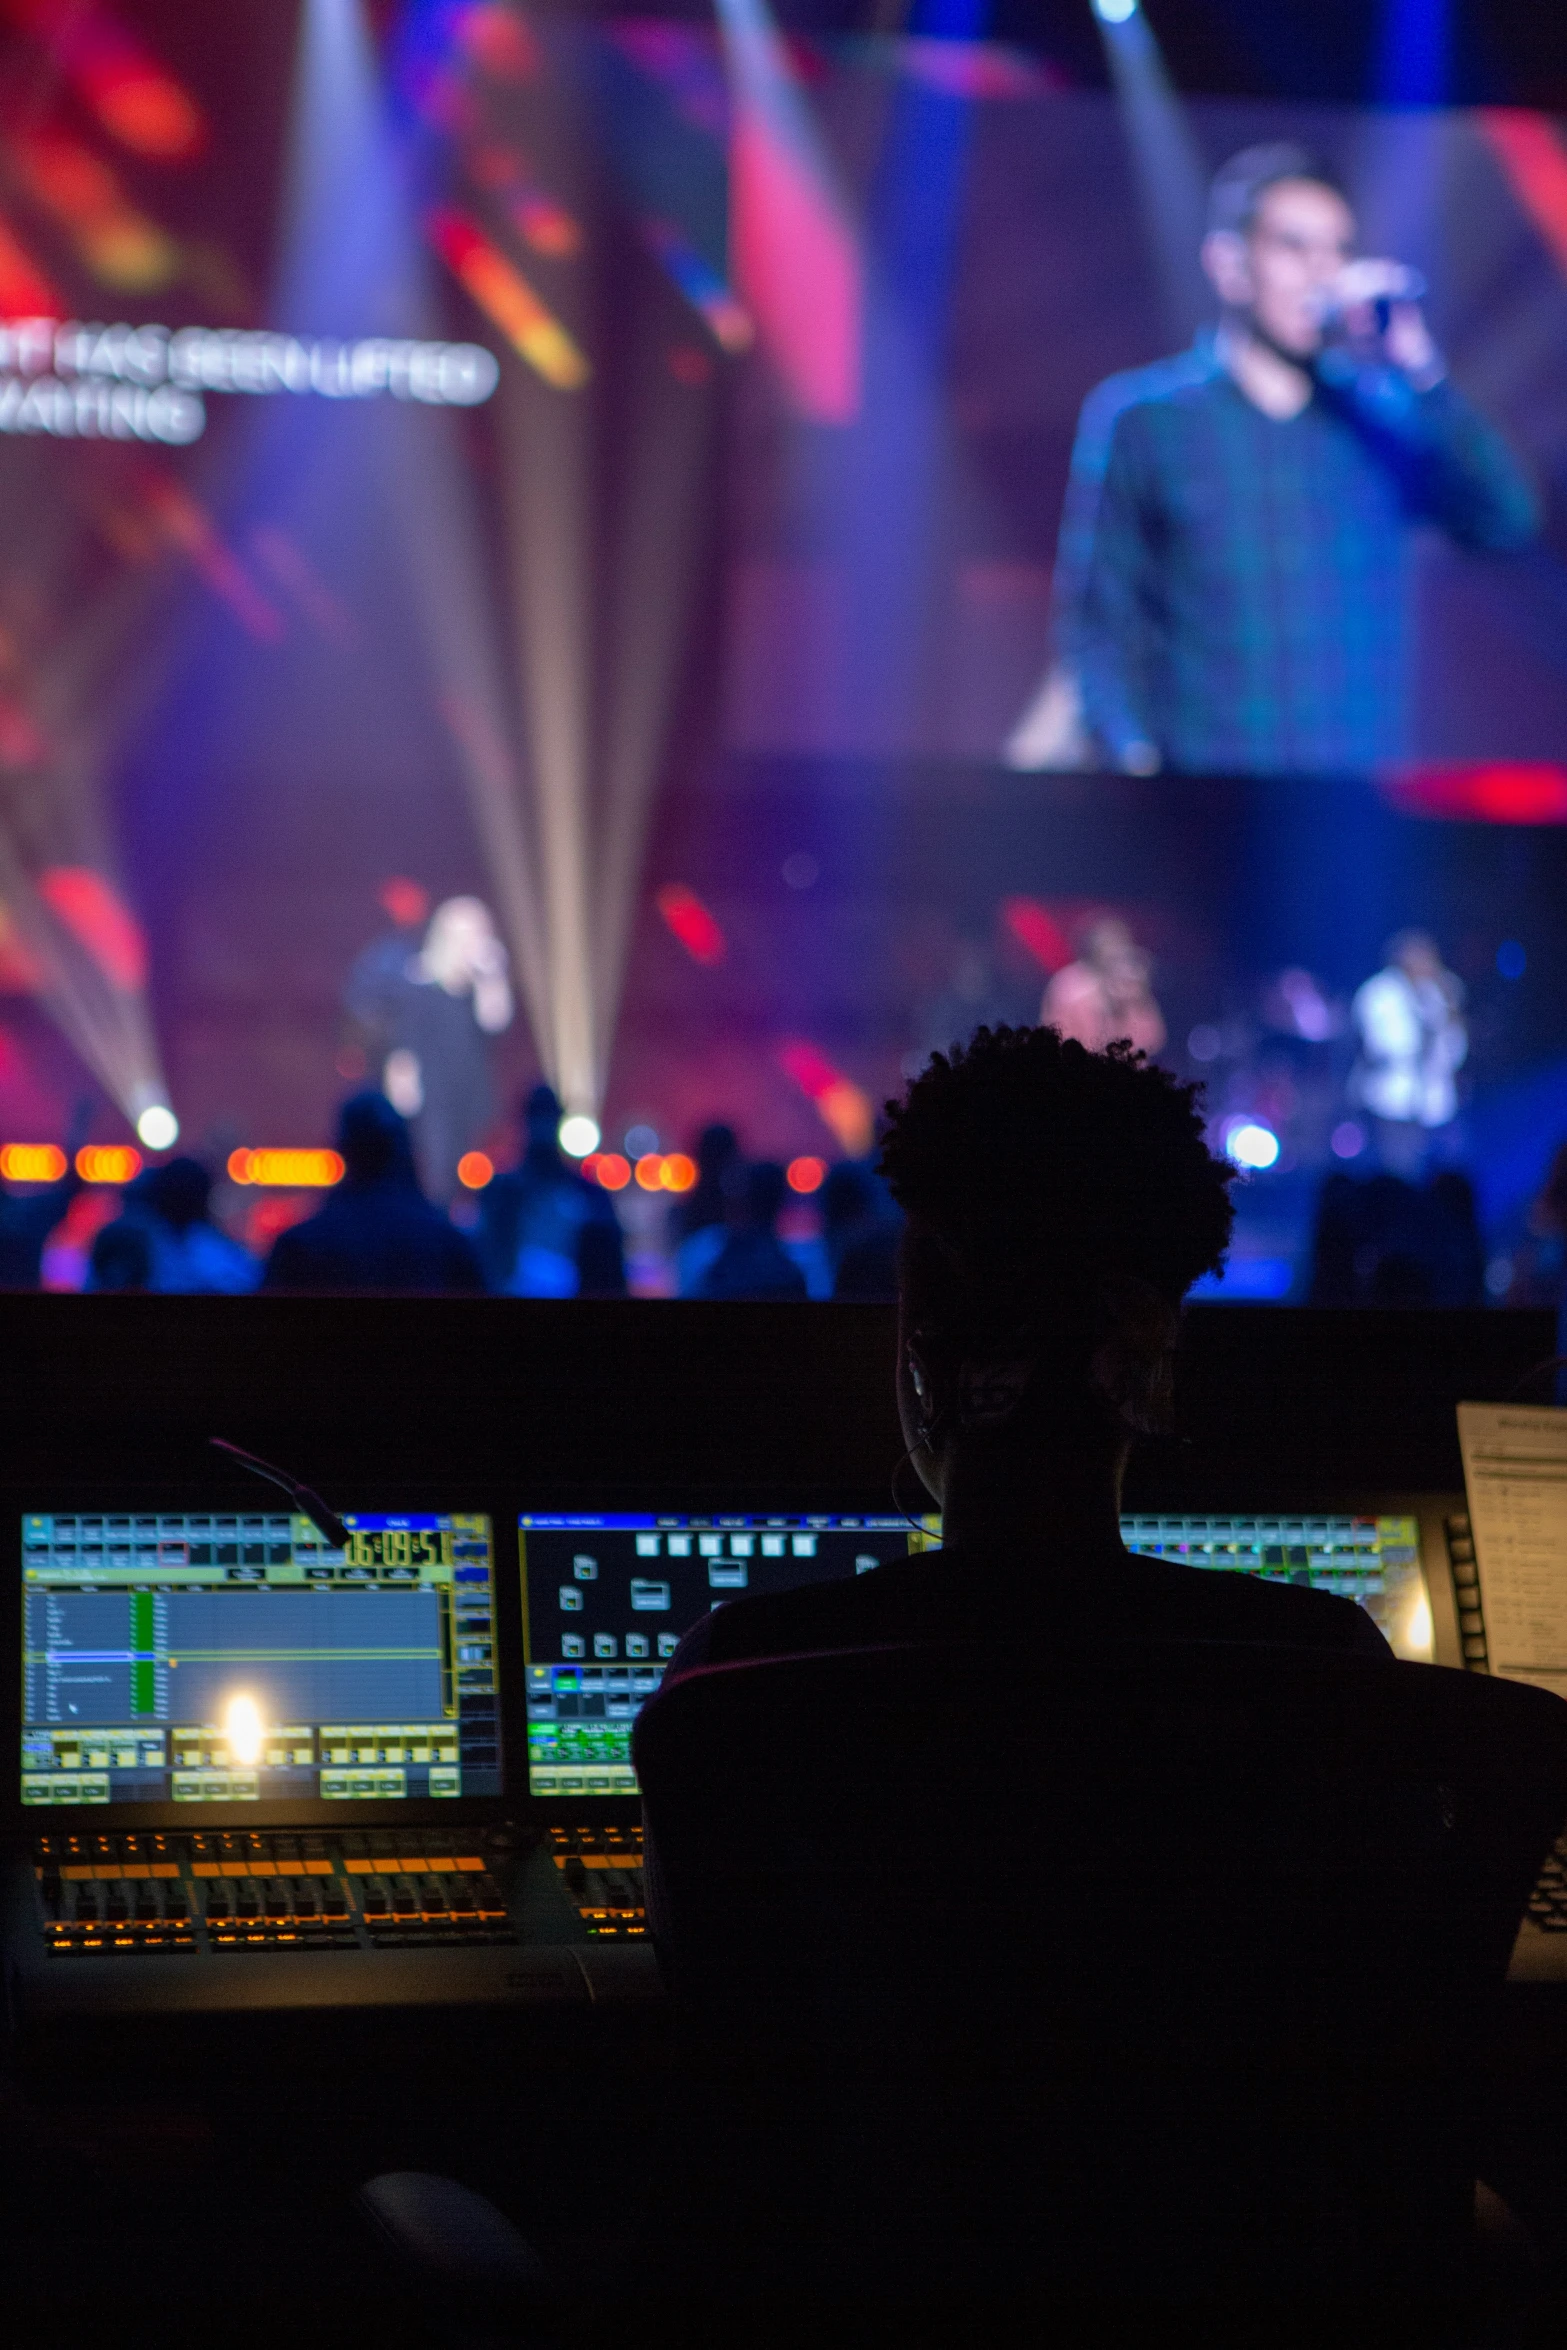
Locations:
{"points": [[544, 1230], [1060, 1204], [753, 1262], [376, 1231]]}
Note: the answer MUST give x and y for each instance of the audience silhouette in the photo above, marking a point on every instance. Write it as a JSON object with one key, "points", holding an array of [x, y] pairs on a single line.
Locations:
{"points": [[376, 1230], [544, 1231], [753, 1262]]}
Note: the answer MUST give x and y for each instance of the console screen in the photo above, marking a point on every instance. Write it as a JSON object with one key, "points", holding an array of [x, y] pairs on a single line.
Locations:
{"points": [[607, 1598], [214, 1659]]}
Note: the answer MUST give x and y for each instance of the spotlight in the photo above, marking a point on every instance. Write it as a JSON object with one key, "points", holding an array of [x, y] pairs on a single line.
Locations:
{"points": [[1114, 11], [1251, 1145], [158, 1127], [578, 1134]]}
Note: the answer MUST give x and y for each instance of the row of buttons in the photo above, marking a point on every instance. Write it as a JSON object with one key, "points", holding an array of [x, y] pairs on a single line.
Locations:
{"points": [[1548, 1901], [602, 1868], [1466, 1590]]}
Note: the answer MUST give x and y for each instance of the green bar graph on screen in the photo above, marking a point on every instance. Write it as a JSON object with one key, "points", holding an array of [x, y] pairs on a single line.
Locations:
{"points": [[143, 1680]]}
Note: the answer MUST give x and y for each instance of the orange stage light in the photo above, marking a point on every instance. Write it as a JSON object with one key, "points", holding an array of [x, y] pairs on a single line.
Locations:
{"points": [[474, 1170], [108, 1162], [650, 1171], [32, 1162], [286, 1170], [120, 245], [806, 1174], [844, 1109], [505, 296], [679, 1172]]}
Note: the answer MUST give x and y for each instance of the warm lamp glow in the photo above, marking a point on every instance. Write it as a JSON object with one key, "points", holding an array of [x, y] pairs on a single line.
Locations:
{"points": [[242, 1727], [474, 1170], [32, 1162], [108, 1162]]}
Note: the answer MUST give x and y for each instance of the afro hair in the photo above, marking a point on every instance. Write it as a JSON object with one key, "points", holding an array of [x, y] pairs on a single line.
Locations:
{"points": [[1045, 1168]]}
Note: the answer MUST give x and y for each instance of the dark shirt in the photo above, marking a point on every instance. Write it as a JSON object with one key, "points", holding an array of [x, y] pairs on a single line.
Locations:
{"points": [[374, 1236], [949, 1595], [1236, 588]]}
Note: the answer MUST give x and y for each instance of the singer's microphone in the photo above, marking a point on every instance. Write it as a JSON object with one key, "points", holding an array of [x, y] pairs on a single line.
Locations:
{"points": [[1398, 283]]}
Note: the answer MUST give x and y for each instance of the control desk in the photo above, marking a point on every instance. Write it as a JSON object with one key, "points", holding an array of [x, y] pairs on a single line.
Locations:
{"points": [[263, 1770]]}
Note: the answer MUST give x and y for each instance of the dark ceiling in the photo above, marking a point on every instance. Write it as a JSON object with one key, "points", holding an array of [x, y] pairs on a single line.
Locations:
{"points": [[1498, 52]]}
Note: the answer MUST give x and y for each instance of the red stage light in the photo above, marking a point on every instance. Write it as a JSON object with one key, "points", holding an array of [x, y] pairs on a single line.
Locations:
{"points": [[1530, 151], [796, 259], [611, 1170], [24, 290], [806, 1174], [95, 915], [474, 1170], [408, 902], [1512, 793], [1037, 930], [135, 98], [689, 921]]}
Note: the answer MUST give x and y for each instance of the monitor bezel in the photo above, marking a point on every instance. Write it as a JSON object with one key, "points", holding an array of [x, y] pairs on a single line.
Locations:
{"points": [[58, 1497]]}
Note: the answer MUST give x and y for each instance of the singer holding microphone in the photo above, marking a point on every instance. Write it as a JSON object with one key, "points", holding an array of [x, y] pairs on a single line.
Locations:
{"points": [[1234, 575]]}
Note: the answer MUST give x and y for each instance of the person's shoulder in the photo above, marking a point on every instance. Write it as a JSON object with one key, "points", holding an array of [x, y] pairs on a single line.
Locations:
{"points": [[901, 1600], [1198, 1603], [1183, 379]]}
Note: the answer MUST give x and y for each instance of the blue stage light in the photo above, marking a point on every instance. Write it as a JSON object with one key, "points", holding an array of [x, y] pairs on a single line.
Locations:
{"points": [[1114, 11], [1251, 1145]]}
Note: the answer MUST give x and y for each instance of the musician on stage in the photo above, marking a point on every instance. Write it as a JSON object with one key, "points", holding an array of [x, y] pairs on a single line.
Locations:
{"points": [[1234, 575]]}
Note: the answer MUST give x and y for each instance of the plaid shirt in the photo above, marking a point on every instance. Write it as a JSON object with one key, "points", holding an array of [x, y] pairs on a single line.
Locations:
{"points": [[1235, 589]]}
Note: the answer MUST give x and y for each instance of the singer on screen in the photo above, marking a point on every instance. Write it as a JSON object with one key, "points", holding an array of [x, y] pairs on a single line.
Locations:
{"points": [[1234, 578]]}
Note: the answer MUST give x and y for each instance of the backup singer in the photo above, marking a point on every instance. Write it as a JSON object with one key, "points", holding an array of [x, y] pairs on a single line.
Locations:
{"points": [[1234, 570]]}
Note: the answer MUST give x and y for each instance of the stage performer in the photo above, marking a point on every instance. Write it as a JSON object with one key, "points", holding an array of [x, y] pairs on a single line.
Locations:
{"points": [[433, 1014], [1412, 1039], [1105, 993], [1234, 572]]}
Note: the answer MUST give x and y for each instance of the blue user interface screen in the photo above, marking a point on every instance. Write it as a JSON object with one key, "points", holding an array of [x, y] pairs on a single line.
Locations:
{"points": [[606, 1599], [205, 1658]]}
